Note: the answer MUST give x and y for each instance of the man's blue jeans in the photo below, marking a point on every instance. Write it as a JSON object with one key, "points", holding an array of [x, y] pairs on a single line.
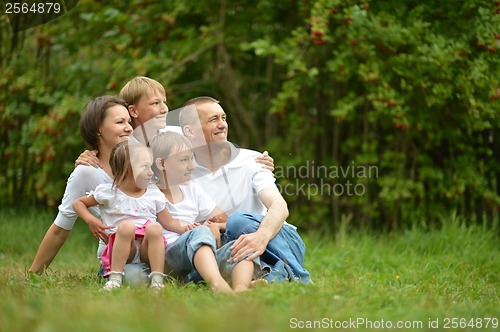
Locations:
{"points": [[283, 258]]}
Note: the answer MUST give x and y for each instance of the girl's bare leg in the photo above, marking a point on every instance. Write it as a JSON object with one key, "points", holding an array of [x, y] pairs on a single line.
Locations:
{"points": [[153, 252], [153, 248], [124, 246]]}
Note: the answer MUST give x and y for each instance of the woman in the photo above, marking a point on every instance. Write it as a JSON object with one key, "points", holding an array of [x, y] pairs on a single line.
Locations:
{"points": [[105, 123]]}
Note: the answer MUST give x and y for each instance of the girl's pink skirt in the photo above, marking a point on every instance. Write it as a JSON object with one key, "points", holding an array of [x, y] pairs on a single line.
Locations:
{"points": [[108, 251]]}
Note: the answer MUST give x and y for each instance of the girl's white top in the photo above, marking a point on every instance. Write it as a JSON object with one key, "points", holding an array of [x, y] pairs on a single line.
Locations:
{"points": [[116, 206]]}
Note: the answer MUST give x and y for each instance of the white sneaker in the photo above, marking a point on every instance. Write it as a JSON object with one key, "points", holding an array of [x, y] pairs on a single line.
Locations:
{"points": [[157, 280], [111, 284], [157, 285]]}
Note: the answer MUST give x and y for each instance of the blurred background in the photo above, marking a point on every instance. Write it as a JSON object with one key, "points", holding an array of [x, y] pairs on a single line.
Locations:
{"points": [[397, 100]]}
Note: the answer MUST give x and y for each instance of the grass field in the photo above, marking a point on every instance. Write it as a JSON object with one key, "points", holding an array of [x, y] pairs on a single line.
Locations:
{"points": [[412, 280]]}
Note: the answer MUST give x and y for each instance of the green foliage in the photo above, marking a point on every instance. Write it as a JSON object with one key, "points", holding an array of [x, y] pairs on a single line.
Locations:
{"points": [[408, 87], [411, 88]]}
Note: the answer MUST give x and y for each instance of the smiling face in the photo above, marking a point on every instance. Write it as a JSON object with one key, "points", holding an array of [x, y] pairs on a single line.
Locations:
{"points": [[141, 160], [115, 127], [150, 110], [213, 122], [179, 166]]}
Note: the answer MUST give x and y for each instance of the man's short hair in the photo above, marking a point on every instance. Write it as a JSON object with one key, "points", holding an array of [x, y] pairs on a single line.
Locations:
{"points": [[189, 112], [200, 100]]}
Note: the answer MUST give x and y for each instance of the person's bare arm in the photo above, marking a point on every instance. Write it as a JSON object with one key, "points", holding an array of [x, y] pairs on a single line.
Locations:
{"points": [[174, 225], [88, 158], [49, 247], [218, 217], [254, 244], [81, 207], [216, 222]]}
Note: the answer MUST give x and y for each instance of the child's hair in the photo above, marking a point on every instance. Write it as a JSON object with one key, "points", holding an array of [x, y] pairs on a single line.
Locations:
{"points": [[93, 117], [166, 143], [138, 87], [120, 160]]}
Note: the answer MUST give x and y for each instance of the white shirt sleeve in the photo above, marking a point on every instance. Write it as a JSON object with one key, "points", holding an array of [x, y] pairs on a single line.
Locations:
{"points": [[158, 197], [81, 181], [205, 203], [262, 178]]}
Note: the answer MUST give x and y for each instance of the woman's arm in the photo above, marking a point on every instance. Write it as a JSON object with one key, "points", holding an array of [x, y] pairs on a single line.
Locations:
{"points": [[49, 247], [82, 179]]}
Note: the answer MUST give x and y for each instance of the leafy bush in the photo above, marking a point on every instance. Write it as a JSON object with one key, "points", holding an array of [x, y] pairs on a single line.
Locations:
{"points": [[396, 101]]}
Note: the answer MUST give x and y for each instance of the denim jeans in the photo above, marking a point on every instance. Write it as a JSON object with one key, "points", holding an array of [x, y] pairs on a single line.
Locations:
{"points": [[283, 258], [180, 255]]}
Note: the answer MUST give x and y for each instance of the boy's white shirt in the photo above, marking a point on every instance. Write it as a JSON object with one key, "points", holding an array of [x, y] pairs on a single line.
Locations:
{"points": [[195, 206]]}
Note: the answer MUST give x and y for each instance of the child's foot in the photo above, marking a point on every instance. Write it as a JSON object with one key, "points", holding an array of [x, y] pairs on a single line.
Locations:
{"points": [[157, 286], [242, 288], [111, 285], [257, 282], [221, 287], [157, 280], [114, 281]]}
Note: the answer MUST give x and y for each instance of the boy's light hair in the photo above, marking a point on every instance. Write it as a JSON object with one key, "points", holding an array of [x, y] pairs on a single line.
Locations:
{"points": [[165, 143], [140, 86]]}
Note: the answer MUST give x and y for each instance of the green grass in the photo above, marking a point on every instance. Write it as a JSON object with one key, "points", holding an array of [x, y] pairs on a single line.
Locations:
{"points": [[413, 276]]}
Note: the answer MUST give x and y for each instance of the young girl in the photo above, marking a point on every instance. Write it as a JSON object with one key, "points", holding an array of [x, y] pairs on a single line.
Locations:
{"points": [[192, 254], [130, 206]]}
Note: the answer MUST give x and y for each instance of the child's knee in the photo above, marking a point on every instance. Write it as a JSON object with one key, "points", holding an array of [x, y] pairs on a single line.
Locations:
{"points": [[154, 229], [126, 228]]}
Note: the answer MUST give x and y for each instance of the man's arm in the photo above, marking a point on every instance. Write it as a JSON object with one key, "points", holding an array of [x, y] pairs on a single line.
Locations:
{"points": [[255, 243]]}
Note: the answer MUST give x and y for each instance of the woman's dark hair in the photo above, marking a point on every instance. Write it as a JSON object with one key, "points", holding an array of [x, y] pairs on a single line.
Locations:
{"points": [[93, 116]]}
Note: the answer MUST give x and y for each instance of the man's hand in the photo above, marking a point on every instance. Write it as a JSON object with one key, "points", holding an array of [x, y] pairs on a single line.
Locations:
{"points": [[88, 158], [99, 230], [252, 244], [266, 160]]}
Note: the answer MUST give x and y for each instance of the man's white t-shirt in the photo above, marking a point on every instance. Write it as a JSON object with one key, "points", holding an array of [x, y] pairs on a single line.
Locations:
{"points": [[236, 185]]}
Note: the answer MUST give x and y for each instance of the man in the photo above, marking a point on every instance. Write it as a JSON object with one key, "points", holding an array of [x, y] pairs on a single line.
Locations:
{"points": [[246, 192]]}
